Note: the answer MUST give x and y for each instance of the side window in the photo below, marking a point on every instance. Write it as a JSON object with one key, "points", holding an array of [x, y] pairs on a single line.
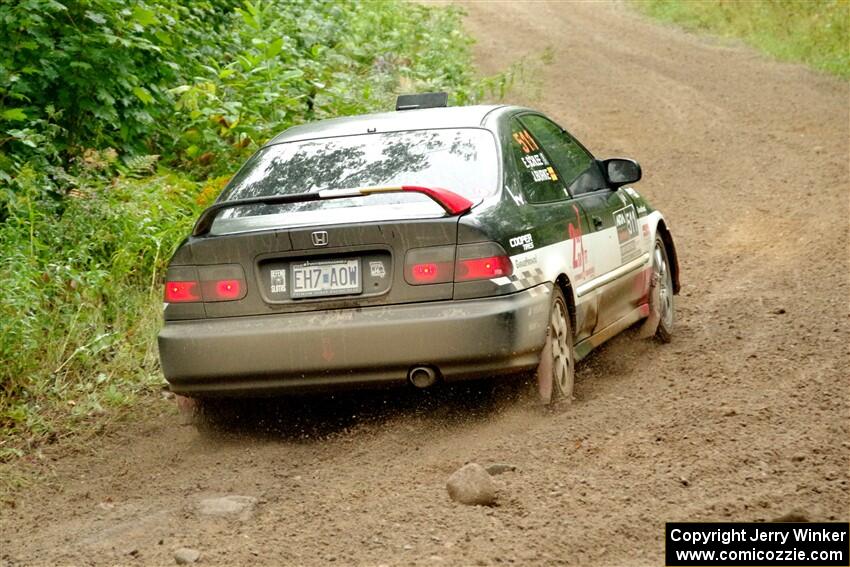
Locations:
{"points": [[539, 180], [578, 168]]}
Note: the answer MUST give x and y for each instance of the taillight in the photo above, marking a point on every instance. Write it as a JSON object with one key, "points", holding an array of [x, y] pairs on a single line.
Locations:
{"points": [[222, 290], [481, 261], [483, 268], [182, 291], [424, 273], [442, 264], [186, 284], [429, 265]]}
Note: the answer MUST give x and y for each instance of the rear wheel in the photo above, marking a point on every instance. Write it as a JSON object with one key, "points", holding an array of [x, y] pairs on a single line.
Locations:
{"points": [[556, 371]]}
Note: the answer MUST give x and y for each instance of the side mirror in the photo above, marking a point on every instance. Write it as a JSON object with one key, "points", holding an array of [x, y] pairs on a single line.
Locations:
{"points": [[621, 171]]}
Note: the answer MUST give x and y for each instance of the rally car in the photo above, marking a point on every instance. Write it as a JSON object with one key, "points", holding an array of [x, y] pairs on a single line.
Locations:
{"points": [[430, 243]]}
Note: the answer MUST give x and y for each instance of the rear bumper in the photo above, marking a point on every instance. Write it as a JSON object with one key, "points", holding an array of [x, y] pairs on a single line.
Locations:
{"points": [[354, 347]]}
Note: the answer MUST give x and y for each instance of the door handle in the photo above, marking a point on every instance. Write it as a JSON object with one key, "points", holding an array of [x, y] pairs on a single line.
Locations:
{"points": [[597, 222]]}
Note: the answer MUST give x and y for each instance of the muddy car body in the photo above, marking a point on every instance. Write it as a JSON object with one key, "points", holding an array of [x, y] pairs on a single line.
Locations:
{"points": [[416, 245]]}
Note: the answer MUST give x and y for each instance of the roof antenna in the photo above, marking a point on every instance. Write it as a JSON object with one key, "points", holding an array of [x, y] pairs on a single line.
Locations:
{"points": [[422, 100]]}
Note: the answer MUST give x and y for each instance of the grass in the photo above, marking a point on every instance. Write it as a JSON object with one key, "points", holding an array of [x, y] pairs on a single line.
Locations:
{"points": [[79, 317], [814, 32]]}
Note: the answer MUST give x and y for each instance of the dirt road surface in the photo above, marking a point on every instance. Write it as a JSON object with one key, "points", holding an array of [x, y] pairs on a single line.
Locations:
{"points": [[743, 417]]}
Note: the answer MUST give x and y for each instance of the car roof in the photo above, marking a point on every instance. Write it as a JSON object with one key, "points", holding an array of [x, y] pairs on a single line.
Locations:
{"points": [[426, 118]]}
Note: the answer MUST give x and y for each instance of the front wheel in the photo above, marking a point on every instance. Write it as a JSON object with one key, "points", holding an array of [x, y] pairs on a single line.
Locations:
{"points": [[556, 371]]}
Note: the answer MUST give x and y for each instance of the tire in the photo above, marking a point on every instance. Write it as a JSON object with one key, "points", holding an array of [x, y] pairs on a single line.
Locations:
{"points": [[661, 298], [556, 371]]}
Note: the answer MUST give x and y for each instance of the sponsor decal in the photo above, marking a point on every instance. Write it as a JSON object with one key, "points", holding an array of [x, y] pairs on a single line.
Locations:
{"points": [[641, 209], [377, 270], [525, 241], [626, 222], [526, 262], [278, 281], [580, 263]]}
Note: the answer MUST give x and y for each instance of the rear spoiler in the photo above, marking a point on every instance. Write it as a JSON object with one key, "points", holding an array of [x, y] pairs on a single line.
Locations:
{"points": [[451, 202]]}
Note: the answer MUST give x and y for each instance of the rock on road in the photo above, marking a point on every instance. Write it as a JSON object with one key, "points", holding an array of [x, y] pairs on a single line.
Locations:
{"points": [[744, 416]]}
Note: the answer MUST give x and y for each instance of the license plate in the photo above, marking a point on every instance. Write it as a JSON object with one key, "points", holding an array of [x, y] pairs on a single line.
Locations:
{"points": [[330, 277]]}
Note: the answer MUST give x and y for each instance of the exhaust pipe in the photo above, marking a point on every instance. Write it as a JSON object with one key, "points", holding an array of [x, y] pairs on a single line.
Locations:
{"points": [[422, 376]]}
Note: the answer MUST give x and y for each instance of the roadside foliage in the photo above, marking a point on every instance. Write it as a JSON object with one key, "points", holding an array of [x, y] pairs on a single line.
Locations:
{"points": [[120, 121]]}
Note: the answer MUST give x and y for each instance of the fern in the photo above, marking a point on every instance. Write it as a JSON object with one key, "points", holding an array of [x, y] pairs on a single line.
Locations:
{"points": [[138, 167]]}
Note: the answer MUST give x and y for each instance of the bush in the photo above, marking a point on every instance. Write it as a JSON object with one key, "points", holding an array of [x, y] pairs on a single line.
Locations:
{"points": [[94, 73], [79, 309], [203, 83], [104, 102]]}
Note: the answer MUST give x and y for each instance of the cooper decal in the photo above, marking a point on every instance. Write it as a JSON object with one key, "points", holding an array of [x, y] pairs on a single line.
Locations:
{"points": [[525, 241]]}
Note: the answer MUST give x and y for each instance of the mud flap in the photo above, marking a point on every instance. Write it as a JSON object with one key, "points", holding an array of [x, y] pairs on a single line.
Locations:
{"points": [[650, 325], [544, 373]]}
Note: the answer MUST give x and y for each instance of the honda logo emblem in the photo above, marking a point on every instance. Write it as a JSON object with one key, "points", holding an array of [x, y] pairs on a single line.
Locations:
{"points": [[320, 238]]}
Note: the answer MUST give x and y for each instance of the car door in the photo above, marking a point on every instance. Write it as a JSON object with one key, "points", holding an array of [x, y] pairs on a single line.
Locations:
{"points": [[611, 245], [555, 224]]}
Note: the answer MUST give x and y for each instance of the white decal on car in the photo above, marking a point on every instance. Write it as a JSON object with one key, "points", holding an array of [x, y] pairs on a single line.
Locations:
{"points": [[278, 281], [377, 270], [529, 261], [524, 240], [628, 231]]}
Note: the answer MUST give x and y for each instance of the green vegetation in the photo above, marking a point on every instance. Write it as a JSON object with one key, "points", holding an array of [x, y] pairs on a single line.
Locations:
{"points": [[815, 32], [119, 121]]}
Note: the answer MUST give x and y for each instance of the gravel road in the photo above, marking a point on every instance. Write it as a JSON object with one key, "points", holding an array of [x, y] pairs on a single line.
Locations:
{"points": [[744, 416]]}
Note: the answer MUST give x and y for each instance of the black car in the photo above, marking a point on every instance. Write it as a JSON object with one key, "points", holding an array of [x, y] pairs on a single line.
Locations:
{"points": [[430, 243]]}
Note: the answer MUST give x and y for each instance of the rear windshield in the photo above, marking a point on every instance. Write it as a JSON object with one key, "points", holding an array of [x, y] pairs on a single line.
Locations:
{"points": [[461, 160]]}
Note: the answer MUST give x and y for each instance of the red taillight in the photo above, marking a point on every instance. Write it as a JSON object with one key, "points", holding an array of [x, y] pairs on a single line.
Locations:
{"points": [[217, 282], [424, 273], [483, 268], [223, 290], [443, 264], [227, 289], [182, 291], [432, 265]]}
